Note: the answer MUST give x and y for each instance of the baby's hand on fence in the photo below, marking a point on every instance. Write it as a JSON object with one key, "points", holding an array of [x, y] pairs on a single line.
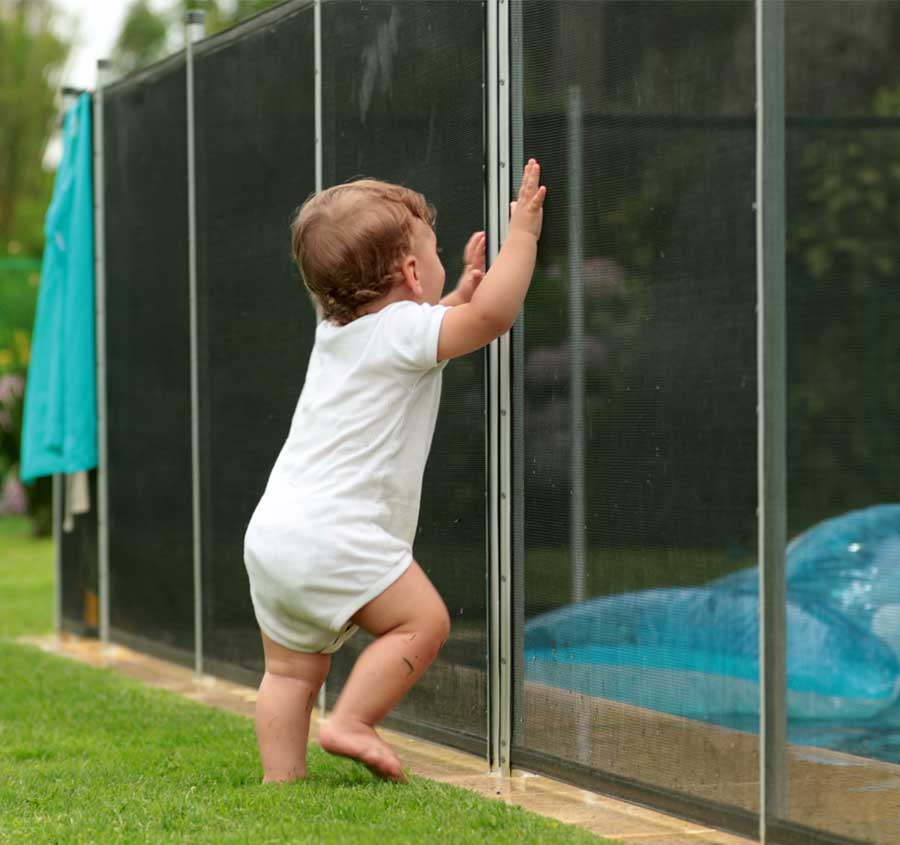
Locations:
{"points": [[474, 261], [527, 213]]}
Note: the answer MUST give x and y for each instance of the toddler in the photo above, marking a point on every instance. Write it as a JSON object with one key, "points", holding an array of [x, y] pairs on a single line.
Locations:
{"points": [[329, 547]]}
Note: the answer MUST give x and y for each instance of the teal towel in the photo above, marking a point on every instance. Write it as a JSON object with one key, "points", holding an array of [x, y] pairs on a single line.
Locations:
{"points": [[60, 425]]}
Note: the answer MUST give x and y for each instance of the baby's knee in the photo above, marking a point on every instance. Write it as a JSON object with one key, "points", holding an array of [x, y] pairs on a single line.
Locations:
{"points": [[430, 631], [440, 626]]}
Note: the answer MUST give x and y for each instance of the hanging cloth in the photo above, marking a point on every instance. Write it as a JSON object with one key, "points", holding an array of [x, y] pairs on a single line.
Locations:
{"points": [[60, 421]]}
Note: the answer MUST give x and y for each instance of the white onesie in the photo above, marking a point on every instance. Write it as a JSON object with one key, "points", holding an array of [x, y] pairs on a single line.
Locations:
{"points": [[335, 525]]}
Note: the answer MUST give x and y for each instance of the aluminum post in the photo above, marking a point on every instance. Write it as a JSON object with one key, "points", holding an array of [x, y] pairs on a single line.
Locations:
{"points": [[577, 540], [103, 75], [771, 413], [499, 466], [195, 30], [317, 77]]}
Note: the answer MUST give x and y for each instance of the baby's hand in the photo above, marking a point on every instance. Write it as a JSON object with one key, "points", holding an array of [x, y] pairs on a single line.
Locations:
{"points": [[473, 254], [473, 272], [528, 211]]}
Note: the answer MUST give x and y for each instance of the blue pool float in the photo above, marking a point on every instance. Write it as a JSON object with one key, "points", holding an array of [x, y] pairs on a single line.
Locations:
{"points": [[694, 652], [851, 563]]}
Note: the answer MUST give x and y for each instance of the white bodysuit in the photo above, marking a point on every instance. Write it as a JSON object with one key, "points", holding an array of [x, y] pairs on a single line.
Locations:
{"points": [[335, 525]]}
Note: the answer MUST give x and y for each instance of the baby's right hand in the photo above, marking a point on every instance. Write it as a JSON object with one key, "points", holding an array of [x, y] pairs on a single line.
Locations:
{"points": [[528, 211]]}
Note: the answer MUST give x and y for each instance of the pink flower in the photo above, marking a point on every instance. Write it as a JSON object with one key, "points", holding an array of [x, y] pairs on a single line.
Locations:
{"points": [[13, 498], [11, 388]]}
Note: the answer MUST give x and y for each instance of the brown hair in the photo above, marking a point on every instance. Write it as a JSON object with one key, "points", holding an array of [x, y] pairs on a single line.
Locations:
{"points": [[348, 241]]}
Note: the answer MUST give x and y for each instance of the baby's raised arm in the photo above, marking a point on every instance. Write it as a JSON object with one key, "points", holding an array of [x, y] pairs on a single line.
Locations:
{"points": [[497, 301]]}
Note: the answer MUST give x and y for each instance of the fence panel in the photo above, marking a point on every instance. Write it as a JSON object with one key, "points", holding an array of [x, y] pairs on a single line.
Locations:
{"points": [[843, 459], [635, 378], [148, 362], [403, 101], [255, 108]]}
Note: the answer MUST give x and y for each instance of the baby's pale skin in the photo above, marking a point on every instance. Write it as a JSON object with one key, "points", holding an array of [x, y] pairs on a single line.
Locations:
{"points": [[409, 619]]}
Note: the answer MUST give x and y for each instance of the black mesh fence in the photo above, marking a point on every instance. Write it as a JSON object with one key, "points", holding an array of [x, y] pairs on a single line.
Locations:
{"points": [[843, 268], [255, 116], [79, 576], [637, 365], [148, 362], [634, 376]]}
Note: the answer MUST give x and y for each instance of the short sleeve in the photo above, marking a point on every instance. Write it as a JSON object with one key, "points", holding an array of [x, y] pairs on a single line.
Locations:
{"points": [[410, 334]]}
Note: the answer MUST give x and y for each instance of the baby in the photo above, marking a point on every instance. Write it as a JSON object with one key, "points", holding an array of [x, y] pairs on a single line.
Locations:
{"points": [[329, 547]]}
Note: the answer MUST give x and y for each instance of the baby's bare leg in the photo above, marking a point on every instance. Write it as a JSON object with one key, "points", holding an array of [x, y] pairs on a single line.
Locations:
{"points": [[286, 697], [411, 624]]}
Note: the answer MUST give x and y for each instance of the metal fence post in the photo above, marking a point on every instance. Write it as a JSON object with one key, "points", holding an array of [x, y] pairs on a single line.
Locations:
{"points": [[317, 83], [103, 73], [517, 383], [69, 97], [499, 434], [57, 553], [317, 36], [771, 414], [195, 30], [577, 539]]}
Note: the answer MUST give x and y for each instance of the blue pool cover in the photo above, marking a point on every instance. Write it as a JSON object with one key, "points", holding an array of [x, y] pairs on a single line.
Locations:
{"points": [[694, 652]]}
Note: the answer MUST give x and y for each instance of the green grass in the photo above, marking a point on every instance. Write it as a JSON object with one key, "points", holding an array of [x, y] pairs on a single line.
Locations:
{"points": [[548, 576], [87, 756], [608, 571], [26, 580]]}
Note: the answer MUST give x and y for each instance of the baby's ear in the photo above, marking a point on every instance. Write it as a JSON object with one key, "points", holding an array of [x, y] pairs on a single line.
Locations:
{"points": [[410, 272]]}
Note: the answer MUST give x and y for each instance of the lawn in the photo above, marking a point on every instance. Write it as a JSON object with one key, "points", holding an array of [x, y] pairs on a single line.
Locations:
{"points": [[87, 756], [26, 580]]}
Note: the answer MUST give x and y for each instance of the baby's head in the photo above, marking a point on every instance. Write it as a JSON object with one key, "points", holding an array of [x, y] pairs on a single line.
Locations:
{"points": [[355, 243]]}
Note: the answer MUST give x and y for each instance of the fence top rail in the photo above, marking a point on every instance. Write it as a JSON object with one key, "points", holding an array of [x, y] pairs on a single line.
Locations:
{"points": [[248, 26], [146, 74], [219, 40]]}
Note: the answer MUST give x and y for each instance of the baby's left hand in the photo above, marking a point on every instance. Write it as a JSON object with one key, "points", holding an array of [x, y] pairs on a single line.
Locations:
{"points": [[473, 272]]}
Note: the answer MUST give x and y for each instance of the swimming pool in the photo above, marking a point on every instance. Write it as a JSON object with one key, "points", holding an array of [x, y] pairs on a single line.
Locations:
{"points": [[694, 652]]}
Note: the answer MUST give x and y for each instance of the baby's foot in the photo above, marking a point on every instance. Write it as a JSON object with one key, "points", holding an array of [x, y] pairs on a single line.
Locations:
{"points": [[360, 742], [296, 773]]}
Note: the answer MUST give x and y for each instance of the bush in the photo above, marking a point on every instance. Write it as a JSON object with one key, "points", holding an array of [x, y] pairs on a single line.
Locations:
{"points": [[18, 300]]}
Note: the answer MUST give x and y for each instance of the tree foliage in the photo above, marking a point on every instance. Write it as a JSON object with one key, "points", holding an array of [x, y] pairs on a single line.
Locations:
{"points": [[31, 57], [221, 15], [147, 35], [843, 260], [142, 39]]}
